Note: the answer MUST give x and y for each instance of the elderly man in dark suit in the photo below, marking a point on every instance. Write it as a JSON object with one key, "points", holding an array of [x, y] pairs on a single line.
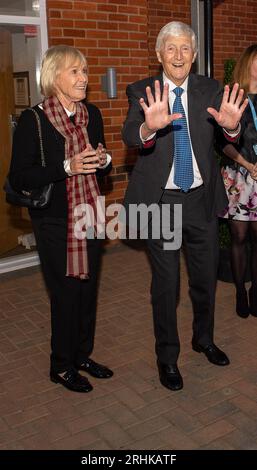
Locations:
{"points": [[174, 119]]}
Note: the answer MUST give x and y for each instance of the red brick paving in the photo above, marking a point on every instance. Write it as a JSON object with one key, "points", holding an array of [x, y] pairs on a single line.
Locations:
{"points": [[217, 409]]}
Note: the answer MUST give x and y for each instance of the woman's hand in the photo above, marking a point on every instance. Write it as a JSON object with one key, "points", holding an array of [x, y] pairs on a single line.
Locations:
{"points": [[85, 162], [253, 171], [101, 153]]}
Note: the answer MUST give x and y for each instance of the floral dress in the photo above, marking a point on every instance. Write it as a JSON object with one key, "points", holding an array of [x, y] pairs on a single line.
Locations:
{"points": [[240, 187]]}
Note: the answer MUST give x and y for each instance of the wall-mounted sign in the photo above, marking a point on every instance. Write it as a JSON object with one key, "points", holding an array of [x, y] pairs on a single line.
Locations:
{"points": [[30, 30], [21, 90]]}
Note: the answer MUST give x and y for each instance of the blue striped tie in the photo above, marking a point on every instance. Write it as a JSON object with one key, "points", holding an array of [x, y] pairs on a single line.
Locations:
{"points": [[183, 174]]}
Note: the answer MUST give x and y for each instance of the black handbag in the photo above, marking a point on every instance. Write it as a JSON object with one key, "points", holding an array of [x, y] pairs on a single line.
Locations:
{"points": [[36, 198]]}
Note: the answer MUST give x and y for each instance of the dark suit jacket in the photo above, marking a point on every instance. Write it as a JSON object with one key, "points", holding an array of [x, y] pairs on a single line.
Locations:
{"points": [[26, 171], [153, 166]]}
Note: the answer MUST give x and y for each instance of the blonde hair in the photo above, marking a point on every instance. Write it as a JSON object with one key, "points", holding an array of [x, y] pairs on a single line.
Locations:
{"points": [[242, 70], [175, 28], [55, 58]]}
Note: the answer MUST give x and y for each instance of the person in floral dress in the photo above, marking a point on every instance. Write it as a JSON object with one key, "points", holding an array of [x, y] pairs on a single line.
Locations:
{"points": [[240, 179]]}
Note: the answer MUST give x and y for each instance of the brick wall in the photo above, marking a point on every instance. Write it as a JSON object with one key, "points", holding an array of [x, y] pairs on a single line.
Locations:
{"points": [[110, 34], [122, 33], [235, 28], [160, 13]]}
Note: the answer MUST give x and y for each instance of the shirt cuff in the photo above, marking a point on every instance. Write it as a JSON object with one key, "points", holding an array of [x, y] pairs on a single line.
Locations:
{"points": [[232, 135], [67, 169], [151, 137], [66, 165], [108, 161]]}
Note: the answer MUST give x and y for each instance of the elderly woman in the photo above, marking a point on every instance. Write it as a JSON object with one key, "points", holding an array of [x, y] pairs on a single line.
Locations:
{"points": [[73, 143]]}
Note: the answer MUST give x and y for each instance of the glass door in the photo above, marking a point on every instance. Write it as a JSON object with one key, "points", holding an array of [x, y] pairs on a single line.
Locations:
{"points": [[23, 39], [20, 7]]}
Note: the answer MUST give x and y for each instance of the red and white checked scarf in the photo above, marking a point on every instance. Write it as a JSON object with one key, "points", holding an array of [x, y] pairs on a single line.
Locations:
{"points": [[80, 188]]}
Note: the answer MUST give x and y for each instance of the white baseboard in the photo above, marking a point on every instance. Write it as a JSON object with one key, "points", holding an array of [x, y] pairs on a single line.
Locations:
{"points": [[13, 263]]}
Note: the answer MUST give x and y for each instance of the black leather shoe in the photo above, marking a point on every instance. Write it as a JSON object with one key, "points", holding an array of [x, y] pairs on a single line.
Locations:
{"points": [[96, 370], [242, 307], [72, 380], [213, 354], [170, 376]]}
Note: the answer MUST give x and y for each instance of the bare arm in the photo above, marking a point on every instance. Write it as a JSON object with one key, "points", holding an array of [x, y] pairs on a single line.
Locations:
{"points": [[233, 153]]}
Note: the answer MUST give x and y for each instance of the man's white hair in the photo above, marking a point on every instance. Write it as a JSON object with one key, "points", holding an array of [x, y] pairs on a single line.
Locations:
{"points": [[175, 28]]}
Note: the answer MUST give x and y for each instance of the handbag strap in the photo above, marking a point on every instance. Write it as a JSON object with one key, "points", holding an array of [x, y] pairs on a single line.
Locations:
{"points": [[253, 112], [40, 136]]}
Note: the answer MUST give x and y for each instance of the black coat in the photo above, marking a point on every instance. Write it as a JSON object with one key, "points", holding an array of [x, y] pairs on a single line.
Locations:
{"points": [[247, 139], [26, 171]]}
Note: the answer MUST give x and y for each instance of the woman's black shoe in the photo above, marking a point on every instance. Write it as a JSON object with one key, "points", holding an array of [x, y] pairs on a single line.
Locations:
{"points": [[72, 380], [242, 307], [253, 301]]}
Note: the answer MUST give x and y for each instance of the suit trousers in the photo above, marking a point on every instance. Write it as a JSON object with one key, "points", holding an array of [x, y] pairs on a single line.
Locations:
{"points": [[200, 241], [73, 301]]}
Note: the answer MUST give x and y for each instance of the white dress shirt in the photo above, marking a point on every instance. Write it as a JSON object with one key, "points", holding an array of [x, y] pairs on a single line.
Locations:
{"points": [[197, 176]]}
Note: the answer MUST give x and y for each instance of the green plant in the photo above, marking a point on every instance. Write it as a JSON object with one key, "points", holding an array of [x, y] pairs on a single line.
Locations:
{"points": [[229, 66]]}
